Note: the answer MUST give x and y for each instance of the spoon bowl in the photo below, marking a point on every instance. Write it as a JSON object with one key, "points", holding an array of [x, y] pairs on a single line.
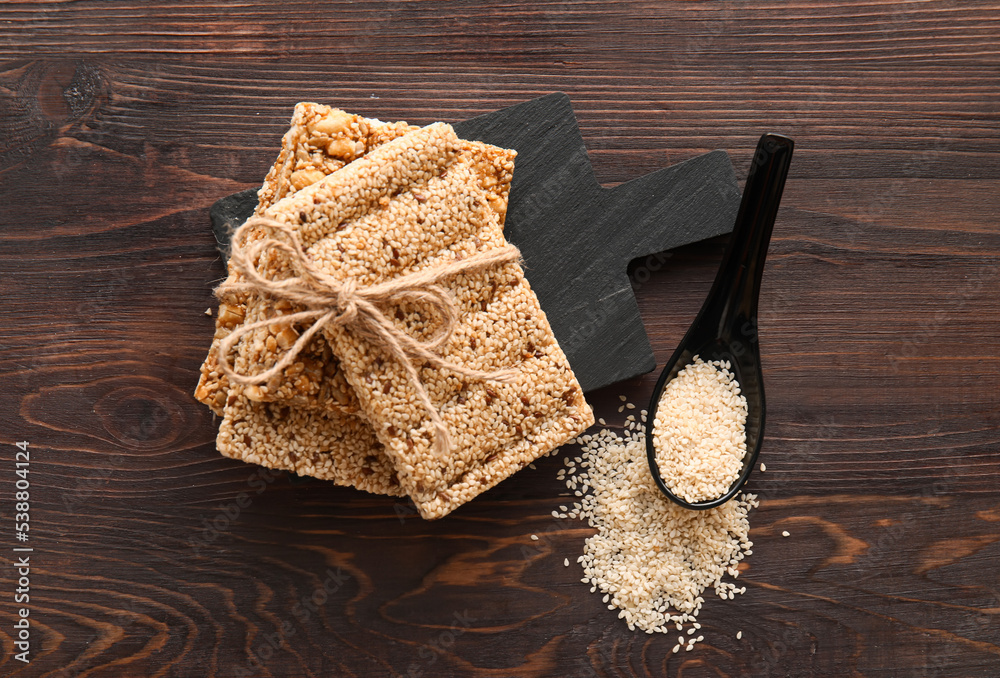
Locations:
{"points": [[726, 327]]}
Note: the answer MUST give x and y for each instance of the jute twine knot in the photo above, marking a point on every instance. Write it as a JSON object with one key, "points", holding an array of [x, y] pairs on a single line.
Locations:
{"points": [[360, 310], [345, 302]]}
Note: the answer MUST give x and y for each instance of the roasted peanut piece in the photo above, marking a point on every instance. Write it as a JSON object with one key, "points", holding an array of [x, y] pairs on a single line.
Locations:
{"points": [[303, 178], [333, 123]]}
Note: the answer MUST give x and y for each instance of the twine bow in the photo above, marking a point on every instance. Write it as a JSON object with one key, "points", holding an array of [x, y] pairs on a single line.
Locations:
{"points": [[328, 300]]}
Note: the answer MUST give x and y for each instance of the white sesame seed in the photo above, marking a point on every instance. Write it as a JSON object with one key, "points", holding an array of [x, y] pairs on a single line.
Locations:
{"points": [[637, 526], [700, 431], [763, 467], [566, 562], [739, 635], [785, 533], [534, 537]]}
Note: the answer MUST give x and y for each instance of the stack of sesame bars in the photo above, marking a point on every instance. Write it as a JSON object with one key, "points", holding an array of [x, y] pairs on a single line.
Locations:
{"points": [[370, 202]]}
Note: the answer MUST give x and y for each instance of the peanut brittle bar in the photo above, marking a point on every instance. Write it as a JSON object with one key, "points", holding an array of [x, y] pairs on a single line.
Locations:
{"points": [[320, 141]]}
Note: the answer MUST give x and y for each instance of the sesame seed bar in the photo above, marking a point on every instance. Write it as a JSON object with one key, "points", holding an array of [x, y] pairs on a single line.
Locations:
{"points": [[326, 445], [420, 200]]}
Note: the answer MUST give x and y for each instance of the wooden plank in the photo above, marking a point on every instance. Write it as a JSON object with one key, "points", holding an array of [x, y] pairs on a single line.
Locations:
{"points": [[120, 124]]}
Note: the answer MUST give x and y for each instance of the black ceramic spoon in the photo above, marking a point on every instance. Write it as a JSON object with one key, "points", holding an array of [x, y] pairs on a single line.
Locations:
{"points": [[726, 326]]}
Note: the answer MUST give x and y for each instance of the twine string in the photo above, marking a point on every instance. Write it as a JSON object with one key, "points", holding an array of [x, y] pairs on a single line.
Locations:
{"points": [[329, 301]]}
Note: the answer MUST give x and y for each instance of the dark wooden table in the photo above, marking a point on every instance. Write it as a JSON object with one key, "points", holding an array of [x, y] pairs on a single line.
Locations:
{"points": [[120, 123]]}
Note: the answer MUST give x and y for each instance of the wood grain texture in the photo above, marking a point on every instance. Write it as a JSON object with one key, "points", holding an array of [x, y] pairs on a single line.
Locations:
{"points": [[120, 123]]}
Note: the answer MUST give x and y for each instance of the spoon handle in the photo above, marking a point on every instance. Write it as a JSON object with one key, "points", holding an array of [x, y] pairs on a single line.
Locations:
{"points": [[735, 291]]}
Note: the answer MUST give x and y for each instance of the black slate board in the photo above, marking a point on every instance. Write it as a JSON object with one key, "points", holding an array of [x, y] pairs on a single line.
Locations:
{"points": [[577, 238]]}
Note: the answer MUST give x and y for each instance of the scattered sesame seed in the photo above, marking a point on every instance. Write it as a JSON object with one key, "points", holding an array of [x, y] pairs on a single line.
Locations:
{"points": [[739, 635], [208, 311], [785, 534], [637, 525], [566, 562], [763, 467], [534, 537], [622, 398]]}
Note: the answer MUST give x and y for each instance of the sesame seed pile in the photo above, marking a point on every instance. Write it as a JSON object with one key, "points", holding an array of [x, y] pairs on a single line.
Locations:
{"points": [[650, 558], [371, 202], [699, 431]]}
